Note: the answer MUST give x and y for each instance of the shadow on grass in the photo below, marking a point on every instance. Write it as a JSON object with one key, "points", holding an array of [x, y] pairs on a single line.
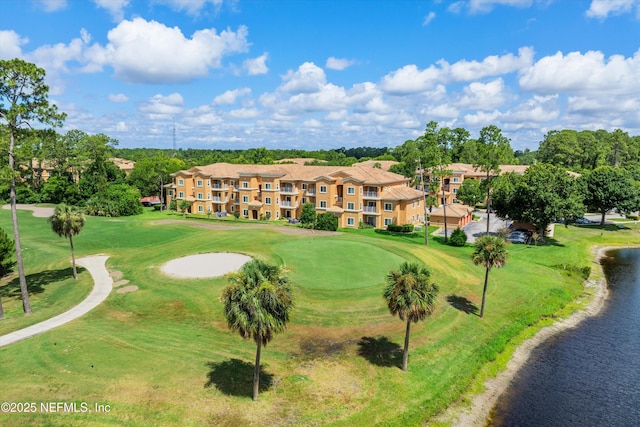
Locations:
{"points": [[380, 351], [462, 304], [36, 282], [234, 377]]}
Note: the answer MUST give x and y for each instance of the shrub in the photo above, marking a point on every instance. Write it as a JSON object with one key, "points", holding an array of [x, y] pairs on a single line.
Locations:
{"points": [[327, 221], [363, 225], [407, 228], [308, 215], [458, 237], [115, 200], [632, 217]]}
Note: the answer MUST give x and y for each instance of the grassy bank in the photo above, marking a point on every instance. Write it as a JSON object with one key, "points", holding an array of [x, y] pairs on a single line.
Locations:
{"points": [[163, 355]]}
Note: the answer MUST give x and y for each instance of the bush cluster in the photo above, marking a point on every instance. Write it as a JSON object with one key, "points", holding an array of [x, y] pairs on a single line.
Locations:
{"points": [[458, 237], [407, 228]]}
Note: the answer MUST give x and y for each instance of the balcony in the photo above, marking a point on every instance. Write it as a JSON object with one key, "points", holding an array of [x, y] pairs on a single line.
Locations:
{"points": [[218, 199], [287, 204], [371, 195], [371, 210], [219, 187], [287, 189], [311, 192]]}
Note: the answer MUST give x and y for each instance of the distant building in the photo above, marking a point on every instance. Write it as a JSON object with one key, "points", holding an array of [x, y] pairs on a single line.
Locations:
{"points": [[353, 194]]}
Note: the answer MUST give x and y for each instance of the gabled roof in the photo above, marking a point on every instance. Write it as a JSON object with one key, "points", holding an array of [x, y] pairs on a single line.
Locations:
{"points": [[295, 172], [401, 193], [455, 210]]}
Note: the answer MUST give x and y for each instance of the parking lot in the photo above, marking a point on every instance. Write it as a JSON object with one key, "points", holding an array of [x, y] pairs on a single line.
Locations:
{"points": [[476, 229]]}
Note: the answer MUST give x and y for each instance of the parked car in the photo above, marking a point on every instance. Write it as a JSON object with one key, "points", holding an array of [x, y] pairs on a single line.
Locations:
{"points": [[518, 237], [582, 221]]}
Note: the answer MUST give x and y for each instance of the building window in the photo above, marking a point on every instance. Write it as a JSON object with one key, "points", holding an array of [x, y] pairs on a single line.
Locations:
{"points": [[351, 206], [231, 183], [455, 200], [208, 183], [304, 200], [245, 199], [277, 186], [171, 192], [277, 200], [267, 200], [200, 196], [388, 207], [323, 188], [245, 184], [277, 214], [181, 182], [304, 186], [323, 203], [455, 179], [200, 208], [455, 191], [199, 183], [388, 221], [267, 186], [245, 213], [232, 208], [351, 221], [181, 195], [351, 190]]}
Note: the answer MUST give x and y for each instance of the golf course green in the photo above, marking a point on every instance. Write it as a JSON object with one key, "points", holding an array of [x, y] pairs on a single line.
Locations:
{"points": [[163, 355]]}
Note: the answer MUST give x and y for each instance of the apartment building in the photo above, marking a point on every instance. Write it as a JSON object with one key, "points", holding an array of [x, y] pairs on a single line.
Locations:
{"points": [[353, 194], [461, 171]]}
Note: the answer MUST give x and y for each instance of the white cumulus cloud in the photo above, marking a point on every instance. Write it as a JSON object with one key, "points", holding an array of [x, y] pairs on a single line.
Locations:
{"points": [[306, 79], [114, 7], [118, 97], [11, 42], [581, 74], [256, 66], [604, 8], [161, 107], [339, 63], [143, 51]]}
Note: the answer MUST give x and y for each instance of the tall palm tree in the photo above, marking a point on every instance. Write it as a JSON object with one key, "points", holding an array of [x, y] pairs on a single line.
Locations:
{"points": [[491, 251], [257, 302], [67, 221], [411, 295]]}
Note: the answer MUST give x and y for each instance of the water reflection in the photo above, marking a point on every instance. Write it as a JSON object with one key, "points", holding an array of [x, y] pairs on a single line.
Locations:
{"points": [[590, 375]]}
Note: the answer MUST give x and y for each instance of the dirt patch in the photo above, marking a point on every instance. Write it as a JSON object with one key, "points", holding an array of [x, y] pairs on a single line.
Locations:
{"points": [[116, 275], [127, 289], [120, 283]]}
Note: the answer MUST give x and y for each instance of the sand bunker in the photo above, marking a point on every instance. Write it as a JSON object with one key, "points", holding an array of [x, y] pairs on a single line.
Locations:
{"points": [[205, 265]]}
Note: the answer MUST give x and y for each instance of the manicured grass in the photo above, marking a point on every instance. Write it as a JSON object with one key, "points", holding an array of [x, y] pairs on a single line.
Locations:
{"points": [[163, 355]]}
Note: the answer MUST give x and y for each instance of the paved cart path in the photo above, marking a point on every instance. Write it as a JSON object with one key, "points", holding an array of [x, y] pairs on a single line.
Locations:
{"points": [[96, 265]]}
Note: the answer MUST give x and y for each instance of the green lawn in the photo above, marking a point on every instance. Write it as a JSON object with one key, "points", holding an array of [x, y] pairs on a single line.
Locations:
{"points": [[163, 355]]}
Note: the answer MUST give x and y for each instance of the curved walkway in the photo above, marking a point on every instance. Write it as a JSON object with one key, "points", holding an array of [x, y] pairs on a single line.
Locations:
{"points": [[96, 265], [38, 211]]}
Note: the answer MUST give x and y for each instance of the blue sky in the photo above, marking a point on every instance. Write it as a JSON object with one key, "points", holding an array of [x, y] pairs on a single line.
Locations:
{"points": [[330, 73]]}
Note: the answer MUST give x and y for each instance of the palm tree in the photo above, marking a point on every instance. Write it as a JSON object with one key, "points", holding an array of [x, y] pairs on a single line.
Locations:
{"points": [[67, 221], [257, 302], [410, 294], [491, 251]]}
